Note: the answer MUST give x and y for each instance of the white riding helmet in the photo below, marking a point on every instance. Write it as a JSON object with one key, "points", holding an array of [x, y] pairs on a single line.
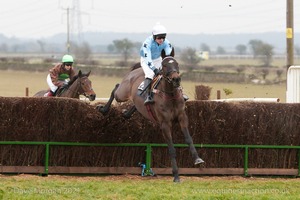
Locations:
{"points": [[159, 29]]}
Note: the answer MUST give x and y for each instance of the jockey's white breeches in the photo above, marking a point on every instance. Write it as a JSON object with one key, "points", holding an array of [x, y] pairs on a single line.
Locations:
{"points": [[147, 70], [52, 87]]}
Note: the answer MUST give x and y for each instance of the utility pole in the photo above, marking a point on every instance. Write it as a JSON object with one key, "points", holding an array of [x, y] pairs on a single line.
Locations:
{"points": [[74, 26], [290, 33], [68, 30], [76, 21]]}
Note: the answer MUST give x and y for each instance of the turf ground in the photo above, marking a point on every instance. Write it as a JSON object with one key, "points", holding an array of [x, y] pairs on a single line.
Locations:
{"points": [[14, 84]]}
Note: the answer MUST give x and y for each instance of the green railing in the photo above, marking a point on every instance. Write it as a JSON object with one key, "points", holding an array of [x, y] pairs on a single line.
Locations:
{"points": [[149, 146]]}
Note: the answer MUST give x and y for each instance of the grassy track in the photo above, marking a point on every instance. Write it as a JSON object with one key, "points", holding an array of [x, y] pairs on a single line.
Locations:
{"points": [[13, 84], [136, 187]]}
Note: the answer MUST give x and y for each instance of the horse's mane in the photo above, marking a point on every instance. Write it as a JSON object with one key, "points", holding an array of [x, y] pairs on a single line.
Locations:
{"points": [[136, 66], [74, 79]]}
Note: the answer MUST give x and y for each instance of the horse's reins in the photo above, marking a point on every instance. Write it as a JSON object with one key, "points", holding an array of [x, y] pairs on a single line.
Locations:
{"points": [[79, 82], [163, 94], [168, 94]]}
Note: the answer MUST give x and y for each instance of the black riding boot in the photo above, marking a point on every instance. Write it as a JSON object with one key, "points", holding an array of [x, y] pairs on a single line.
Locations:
{"points": [[149, 98]]}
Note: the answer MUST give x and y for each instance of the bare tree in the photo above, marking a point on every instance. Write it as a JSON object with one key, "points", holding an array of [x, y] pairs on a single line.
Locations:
{"points": [[263, 51], [204, 47], [220, 50], [82, 52], [42, 45], [241, 49], [255, 45], [190, 58], [3, 47], [124, 47]]}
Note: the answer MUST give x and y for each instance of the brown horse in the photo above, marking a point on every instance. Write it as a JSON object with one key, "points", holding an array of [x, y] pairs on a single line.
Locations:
{"points": [[169, 104], [79, 85]]}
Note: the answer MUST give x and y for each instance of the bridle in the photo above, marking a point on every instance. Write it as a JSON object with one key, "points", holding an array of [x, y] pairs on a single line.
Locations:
{"points": [[168, 74], [80, 86], [173, 88], [80, 90]]}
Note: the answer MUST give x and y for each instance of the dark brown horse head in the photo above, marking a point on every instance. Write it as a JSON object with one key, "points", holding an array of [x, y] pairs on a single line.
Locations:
{"points": [[85, 85], [170, 70]]}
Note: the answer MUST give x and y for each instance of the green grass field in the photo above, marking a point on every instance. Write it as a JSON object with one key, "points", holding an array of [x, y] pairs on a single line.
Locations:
{"points": [[14, 83], [137, 187]]}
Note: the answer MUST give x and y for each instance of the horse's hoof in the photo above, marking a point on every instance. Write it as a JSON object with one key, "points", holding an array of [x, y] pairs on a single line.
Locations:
{"points": [[126, 116], [176, 180], [198, 161], [101, 109]]}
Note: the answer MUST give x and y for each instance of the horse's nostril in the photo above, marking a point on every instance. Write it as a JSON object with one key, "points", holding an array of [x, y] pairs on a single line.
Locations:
{"points": [[177, 80], [92, 97]]}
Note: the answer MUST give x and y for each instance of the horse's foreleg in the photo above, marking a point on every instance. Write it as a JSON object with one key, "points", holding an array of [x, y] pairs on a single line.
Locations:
{"points": [[104, 109], [172, 151], [127, 114], [188, 139]]}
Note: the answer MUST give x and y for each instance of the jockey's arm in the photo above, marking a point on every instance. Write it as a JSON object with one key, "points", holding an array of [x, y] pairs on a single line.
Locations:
{"points": [[146, 53], [54, 74]]}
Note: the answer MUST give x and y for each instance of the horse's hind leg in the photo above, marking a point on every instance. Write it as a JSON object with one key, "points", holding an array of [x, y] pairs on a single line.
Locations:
{"points": [[104, 109]]}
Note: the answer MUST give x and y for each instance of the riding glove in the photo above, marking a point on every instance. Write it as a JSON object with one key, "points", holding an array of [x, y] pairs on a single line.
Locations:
{"points": [[156, 72]]}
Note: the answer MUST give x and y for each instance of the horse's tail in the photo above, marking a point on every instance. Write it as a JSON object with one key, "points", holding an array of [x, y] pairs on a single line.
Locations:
{"points": [[136, 66]]}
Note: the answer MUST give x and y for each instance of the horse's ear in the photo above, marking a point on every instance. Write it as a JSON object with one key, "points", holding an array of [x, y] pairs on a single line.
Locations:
{"points": [[79, 73], [88, 73], [163, 53], [173, 52]]}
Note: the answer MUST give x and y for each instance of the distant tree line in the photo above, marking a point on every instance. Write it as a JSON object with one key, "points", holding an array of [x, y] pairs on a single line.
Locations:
{"points": [[128, 49], [190, 56]]}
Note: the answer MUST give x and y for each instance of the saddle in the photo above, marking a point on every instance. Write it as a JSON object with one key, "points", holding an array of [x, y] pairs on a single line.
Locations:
{"points": [[142, 87], [59, 91]]}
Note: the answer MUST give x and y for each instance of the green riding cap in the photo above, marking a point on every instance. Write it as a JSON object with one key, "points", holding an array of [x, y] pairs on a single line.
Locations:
{"points": [[67, 58]]}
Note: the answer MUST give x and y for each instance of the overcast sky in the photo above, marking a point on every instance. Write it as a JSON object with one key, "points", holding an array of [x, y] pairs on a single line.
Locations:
{"points": [[43, 18]]}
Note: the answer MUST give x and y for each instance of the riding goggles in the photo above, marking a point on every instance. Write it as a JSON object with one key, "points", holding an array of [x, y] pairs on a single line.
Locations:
{"points": [[68, 63], [160, 36]]}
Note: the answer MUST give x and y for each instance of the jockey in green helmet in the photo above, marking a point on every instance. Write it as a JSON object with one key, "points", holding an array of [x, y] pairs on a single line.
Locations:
{"points": [[60, 74]]}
